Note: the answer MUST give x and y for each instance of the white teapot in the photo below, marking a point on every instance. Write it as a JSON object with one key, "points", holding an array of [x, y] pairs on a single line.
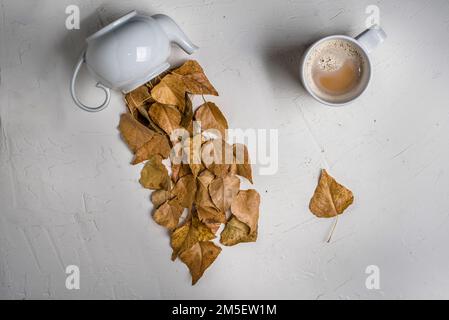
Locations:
{"points": [[129, 52]]}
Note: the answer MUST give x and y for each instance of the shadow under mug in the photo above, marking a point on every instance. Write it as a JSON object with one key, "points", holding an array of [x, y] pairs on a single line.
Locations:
{"points": [[366, 42]]}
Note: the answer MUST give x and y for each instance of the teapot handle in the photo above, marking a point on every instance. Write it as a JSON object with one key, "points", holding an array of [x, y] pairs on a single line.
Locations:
{"points": [[99, 85]]}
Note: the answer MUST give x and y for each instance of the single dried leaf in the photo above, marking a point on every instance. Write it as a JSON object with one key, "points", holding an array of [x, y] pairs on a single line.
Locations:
{"points": [[236, 232], [217, 156], [199, 257], [143, 111], [245, 207], [168, 214], [196, 169], [187, 151], [177, 154], [155, 81], [211, 217], [134, 133], [194, 79], [132, 108], [171, 90], [205, 178], [154, 175], [242, 162], [166, 117], [179, 171], [139, 96], [330, 198], [187, 116], [158, 197], [187, 235], [202, 197], [141, 140], [158, 144], [213, 226], [210, 117], [223, 191], [192, 151], [185, 190]]}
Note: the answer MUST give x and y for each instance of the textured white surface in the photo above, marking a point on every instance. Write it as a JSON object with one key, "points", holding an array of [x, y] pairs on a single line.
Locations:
{"points": [[69, 196]]}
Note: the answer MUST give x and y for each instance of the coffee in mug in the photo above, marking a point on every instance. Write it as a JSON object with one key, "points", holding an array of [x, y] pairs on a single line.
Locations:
{"points": [[334, 69], [337, 69]]}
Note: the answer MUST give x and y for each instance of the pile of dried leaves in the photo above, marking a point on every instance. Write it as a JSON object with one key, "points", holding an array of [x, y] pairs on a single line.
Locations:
{"points": [[160, 124]]}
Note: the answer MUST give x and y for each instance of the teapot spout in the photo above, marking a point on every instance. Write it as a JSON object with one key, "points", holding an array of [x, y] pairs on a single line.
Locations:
{"points": [[175, 33]]}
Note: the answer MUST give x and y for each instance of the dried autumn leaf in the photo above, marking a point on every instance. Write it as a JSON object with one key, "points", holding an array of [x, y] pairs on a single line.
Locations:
{"points": [[330, 198], [137, 98], [155, 81], [211, 117], [242, 161], [192, 150], [158, 144], [187, 116], [171, 90], [213, 227], [168, 214], [196, 169], [202, 197], [205, 178], [166, 117], [141, 140], [134, 133], [154, 175], [194, 78], [132, 108], [199, 257], [184, 190], [143, 112], [223, 191], [245, 207], [208, 213], [179, 171], [211, 217], [177, 156], [236, 232], [158, 197], [217, 156], [187, 235]]}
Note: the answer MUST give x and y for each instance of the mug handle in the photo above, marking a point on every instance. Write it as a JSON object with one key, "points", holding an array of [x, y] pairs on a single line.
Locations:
{"points": [[371, 38], [99, 85]]}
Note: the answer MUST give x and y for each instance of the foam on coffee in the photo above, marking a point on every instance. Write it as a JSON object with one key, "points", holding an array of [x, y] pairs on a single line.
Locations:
{"points": [[335, 70]]}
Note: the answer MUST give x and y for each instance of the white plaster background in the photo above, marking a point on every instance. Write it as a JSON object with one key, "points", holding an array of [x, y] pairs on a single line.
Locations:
{"points": [[69, 196]]}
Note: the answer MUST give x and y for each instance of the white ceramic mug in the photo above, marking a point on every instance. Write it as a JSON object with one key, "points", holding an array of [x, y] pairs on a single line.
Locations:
{"points": [[129, 52], [366, 42]]}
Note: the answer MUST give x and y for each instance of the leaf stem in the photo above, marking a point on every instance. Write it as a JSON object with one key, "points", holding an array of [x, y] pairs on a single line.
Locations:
{"points": [[332, 230]]}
